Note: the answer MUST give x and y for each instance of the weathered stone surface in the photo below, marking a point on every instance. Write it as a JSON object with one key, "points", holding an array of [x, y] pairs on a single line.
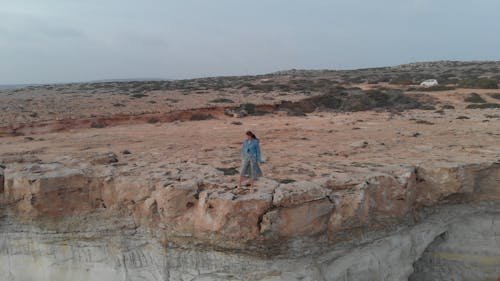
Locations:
{"points": [[104, 158], [339, 181], [230, 217], [116, 255], [2, 180], [174, 201], [351, 212], [190, 209], [448, 258], [296, 193], [487, 183], [49, 190], [125, 190], [436, 181], [380, 199], [16, 158], [309, 218], [276, 232]]}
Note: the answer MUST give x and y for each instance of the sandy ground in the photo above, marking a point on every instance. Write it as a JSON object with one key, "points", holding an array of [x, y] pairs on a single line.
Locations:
{"points": [[293, 147], [42, 105]]}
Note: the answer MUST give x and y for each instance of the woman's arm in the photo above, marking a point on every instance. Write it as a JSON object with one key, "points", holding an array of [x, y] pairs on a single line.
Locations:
{"points": [[259, 157]]}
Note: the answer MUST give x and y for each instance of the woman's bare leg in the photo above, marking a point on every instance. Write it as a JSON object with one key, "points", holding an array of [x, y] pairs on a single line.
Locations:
{"points": [[241, 180], [251, 183]]}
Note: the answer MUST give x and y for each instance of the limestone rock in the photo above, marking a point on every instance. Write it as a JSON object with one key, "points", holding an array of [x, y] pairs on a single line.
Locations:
{"points": [[296, 193], [230, 217], [176, 200], [380, 199], [125, 190], [48, 189], [437, 181], [303, 220], [15, 158], [104, 158], [2, 179]]}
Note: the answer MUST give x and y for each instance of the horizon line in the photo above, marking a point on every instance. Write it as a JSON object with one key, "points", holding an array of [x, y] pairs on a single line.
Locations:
{"points": [[111, 80]]}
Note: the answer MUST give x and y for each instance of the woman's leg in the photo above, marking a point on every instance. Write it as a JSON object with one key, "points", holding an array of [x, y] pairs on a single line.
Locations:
{"points": [[245, 167], [251, 182]]}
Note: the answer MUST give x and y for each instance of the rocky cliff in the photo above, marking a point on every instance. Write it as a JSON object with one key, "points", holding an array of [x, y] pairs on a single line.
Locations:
{"points": [[98, 221]]}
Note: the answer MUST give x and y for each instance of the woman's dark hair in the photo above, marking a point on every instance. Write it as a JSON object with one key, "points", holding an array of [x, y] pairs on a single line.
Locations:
{"points": [[249, 133]]}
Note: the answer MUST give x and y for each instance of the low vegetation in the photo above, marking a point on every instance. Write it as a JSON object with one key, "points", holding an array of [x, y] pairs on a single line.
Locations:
{"points": [[482, 105], [222, 100], [200, 116], [153, 120], [248, 107], [355, 100], [495, 95], [474, 98], [479, 83], [97, 124], [403, 79], [138, 96], [436, 88]]}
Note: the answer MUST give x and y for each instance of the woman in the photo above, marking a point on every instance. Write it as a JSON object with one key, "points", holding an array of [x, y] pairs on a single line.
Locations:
{"points": [[250, 153]]}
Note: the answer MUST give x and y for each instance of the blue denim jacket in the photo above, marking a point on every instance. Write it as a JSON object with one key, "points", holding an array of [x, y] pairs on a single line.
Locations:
{"points": [[252, 148]]}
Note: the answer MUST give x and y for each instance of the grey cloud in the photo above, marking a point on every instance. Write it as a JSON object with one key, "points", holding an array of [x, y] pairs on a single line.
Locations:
{"points": [[25, 26], [59, 32]]}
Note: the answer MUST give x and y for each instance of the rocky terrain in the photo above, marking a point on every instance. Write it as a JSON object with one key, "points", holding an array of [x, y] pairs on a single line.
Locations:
{"points": [[368, 176]]}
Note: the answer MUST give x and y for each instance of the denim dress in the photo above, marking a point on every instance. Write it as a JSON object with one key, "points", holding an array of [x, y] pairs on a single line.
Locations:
{"points": [[251, 158]]}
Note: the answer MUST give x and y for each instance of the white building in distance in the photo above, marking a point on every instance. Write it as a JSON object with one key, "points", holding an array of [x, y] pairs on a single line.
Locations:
{"points": [[429, 83]]}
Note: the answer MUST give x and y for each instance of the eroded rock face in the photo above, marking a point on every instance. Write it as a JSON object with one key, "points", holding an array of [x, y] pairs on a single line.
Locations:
{"points": [[296, 193], [440, 180], [182, 224], [108, 253], [299, 208], [310, 218], [468, 250], [380, 200], [49, 190], [2, 180]]}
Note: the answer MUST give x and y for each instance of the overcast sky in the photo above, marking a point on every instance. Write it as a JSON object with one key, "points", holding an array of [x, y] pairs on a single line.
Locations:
{"points": [[45, 41]]}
